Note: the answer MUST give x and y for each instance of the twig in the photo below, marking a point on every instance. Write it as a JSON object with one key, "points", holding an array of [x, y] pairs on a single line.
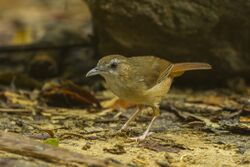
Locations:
{"points": [[15, 110], [186, 115], [234, 114], [18, 144], [71, 134], [178, 112], [207, 121], [37, 46]]}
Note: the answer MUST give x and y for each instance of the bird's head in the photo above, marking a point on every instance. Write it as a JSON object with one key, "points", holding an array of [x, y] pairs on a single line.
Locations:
{"points": [[110, 66]]}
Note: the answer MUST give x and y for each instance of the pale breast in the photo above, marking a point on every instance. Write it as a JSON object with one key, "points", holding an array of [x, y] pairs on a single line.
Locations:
{"points": [[129, 91]]}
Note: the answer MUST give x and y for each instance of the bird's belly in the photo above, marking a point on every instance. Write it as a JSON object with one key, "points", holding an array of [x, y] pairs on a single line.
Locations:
{"points": [[138, 93], [128, 93], [155, 94]]}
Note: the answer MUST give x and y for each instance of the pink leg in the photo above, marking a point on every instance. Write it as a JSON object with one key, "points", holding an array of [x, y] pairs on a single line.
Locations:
{"points": [[156, 111], [146, 133], [132, 117]]}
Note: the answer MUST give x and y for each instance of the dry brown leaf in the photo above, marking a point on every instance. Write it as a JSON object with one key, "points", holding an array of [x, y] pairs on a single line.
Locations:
{"points": [[244, 119], [17, 100], [67, 94], [214, 100]]}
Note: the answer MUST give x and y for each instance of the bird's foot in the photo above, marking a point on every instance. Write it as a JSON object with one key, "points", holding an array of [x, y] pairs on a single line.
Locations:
{"points": [[142, 137], [124, 128], [121, 130]]}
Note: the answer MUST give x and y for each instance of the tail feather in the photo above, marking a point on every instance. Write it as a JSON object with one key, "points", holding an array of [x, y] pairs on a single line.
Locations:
{"points": [[180, 68]]}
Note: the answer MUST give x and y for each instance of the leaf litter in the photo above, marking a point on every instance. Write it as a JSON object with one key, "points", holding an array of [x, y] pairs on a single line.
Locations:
{"points": [[191, 128]]}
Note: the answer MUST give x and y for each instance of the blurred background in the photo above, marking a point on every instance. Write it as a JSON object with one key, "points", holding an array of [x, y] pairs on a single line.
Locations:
{"points": [[42, 40]]}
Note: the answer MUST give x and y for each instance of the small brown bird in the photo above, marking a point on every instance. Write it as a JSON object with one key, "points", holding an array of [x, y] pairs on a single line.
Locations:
{"points": [[143, 80]]}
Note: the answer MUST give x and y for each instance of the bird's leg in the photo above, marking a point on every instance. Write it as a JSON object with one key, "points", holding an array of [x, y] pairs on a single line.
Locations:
{"points": [[131, 118], [147, 133]]}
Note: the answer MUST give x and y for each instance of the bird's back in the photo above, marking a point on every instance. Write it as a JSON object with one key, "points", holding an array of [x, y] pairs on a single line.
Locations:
{"points": [[148, 68]]}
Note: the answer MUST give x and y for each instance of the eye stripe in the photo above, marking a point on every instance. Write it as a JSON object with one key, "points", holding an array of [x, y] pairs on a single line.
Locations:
{"points": [[114, 60]]}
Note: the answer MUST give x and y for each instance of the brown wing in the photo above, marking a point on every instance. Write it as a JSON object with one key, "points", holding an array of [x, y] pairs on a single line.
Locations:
{"points": [[148, 69]]}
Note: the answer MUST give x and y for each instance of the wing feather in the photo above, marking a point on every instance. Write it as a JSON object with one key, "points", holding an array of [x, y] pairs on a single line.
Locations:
{"points": [[149, 69]]}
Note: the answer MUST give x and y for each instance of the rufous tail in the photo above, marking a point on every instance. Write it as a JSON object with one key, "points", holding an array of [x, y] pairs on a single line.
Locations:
{"points": [[179, 68]]}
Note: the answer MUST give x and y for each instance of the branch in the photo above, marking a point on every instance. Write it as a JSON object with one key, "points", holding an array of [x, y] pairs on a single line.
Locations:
{"points": [[18, 144], [39, 46]]}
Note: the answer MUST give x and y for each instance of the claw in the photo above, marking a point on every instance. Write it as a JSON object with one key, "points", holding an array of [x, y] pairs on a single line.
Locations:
{"points": [[146, 133], [122, 130], [142, 137]]}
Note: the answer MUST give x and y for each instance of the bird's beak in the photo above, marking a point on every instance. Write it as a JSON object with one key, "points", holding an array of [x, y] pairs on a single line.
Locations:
{"points": [[94, 71]]}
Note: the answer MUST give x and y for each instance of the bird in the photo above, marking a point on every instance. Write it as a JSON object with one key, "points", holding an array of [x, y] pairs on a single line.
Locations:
{"points": [[142, 80]]}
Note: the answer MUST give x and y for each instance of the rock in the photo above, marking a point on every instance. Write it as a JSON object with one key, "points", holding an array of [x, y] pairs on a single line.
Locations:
{"points": [[213, 31]]}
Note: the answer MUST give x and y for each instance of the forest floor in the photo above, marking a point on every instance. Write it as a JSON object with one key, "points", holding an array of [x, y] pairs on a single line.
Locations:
{"points": [[195, 128]]}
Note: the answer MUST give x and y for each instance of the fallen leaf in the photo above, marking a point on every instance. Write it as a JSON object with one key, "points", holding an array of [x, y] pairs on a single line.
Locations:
{"points": [[86, 146], [244, 119], [116, 149], [67, 94], [214, 100], [52, 141], [17, 100], [160, 146]]}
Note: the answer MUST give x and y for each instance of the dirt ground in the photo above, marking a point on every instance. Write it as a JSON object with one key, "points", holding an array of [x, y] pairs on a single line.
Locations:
{"points": [[203, 128]]}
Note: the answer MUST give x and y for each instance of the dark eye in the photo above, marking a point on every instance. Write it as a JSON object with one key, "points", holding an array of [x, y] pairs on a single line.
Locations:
{"points": [[113, 65]]}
